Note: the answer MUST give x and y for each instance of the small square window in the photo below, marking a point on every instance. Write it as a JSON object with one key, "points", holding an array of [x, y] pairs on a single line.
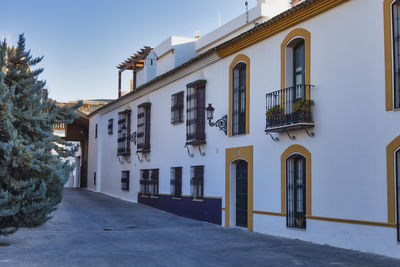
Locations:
{"points": [[177, 108]]}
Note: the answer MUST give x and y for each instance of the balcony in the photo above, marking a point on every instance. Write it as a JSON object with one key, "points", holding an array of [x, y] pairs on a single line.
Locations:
{"points": [[289, 109]]}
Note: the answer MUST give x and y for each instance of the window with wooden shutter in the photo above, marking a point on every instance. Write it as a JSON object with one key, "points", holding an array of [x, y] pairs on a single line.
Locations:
{"points": [[124, 131], [177, 108], [197, 182], [195, 121], [176, 182], [143, 127]]}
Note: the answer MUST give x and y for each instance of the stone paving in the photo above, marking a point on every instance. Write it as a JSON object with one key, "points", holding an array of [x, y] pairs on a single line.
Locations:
{"points": [[137, 235]]}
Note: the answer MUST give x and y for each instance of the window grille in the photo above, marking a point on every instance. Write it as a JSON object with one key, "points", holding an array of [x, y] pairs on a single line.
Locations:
{"points": [[125, 180], [197, 182], [195, 122], [239, 99], [124, 131], [176, 182], [396, 51], [143, 127], [149, 182], [94, 178], [144, 182], [95, 131], [296, 192], [110, 126], [177, 108]]}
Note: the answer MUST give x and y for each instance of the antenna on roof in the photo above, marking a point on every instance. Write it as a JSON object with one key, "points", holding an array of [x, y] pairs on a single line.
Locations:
{"points": [[247, 11]]}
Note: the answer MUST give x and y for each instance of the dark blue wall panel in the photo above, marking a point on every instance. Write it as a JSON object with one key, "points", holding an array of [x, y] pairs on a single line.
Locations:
{"points": [[208, 210]]}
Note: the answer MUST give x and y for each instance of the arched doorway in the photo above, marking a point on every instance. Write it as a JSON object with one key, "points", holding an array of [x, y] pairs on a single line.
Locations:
{"points": [[239, 187]]}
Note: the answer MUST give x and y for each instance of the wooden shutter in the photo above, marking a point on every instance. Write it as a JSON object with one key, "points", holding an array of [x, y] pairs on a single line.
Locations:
{"points": [[201, 105], [196, 102], [147, 128]]}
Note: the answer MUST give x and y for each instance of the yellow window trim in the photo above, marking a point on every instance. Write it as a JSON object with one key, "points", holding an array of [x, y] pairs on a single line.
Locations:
{"points": [[305, 153], [390, 171], [306, 35], [231, 154], [246, 60], [387, 22]]}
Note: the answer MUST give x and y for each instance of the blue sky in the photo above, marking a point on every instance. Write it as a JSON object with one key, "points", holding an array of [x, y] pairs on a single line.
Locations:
{"points": [[82, 41]]}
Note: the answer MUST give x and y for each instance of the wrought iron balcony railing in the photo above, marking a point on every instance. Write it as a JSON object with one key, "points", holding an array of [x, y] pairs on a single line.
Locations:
{"points": [[289, 108]]}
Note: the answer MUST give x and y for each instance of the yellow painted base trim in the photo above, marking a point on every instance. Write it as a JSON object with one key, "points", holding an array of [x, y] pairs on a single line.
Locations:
{"points": [[329, 219], [268, 213], [370, 223]]}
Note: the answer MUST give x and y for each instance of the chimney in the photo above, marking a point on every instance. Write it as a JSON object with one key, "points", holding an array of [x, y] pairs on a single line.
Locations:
{"points": [[271, 8]]}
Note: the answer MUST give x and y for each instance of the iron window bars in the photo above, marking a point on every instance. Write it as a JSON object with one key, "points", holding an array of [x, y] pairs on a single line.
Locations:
{"points": [[197, 182], [143, 127], [296, 192], [195, 120], [239, 99], [95, 131], [149, 182], [125, 180], [176, 182], [289, 107], [177, 108], [110, 126], [124, 131]]}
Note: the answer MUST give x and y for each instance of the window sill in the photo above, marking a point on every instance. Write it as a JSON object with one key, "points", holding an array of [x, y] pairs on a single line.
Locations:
{"points": [[154, 197], [176, 198], [296, 229], [144, 196], [195, 142], [238, 135], [198, 199], [177, 123], [124, 154], [143, 151]]}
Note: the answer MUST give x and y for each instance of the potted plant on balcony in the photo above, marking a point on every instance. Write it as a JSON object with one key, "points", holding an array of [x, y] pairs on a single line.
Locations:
{"points": [[273, 115], [302, 109]]}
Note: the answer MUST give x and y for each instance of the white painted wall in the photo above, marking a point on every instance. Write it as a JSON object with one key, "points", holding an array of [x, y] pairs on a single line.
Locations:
{"points": [[348, 151]]}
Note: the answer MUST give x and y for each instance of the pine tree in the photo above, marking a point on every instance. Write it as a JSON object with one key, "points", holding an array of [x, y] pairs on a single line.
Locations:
{"points": [[32, 176]]}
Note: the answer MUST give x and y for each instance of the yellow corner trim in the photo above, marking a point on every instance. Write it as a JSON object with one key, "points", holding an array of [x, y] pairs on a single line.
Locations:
{"points": [[306, 35], [387, 22], [390, 171], [231, 154], [303, 151], [246, 60], [279, 26]]}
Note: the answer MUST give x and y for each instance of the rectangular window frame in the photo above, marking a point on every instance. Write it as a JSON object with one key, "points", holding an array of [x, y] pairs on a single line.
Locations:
{"points": [[125, 180], [149, 182], [195, 112], [124, 132], [176, 182], [95, 131], [143, 127], [197, 182], [110, 126], [177, 107]]}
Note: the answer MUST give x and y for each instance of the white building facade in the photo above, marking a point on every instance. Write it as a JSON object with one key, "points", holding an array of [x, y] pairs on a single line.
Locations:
{"points": [[312, 128]]}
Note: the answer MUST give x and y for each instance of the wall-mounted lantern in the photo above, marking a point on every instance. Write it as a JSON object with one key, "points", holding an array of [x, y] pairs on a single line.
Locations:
{"points": [[221, 123]]}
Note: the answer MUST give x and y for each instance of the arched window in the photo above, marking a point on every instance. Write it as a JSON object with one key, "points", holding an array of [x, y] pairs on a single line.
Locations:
{"points": [[239, 99], [296, 191], [239, 96]]}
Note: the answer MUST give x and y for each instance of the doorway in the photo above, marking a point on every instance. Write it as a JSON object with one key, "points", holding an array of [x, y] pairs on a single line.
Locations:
{"points": [[241, 193]]}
